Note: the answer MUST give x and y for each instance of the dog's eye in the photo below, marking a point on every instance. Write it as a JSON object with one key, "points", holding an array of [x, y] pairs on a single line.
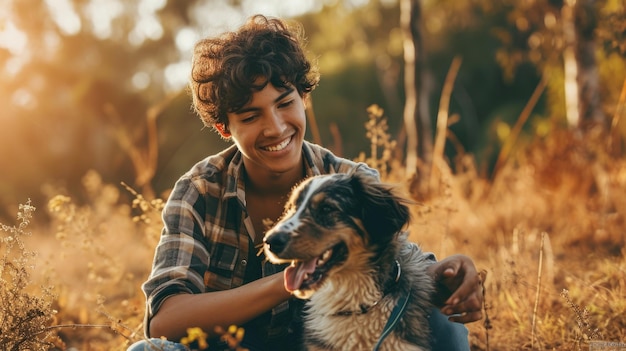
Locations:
{"points": [[324, 214], [326, 208]]}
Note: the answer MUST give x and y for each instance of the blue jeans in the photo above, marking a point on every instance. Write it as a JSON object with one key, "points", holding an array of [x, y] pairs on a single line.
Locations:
{"points": [[446, 336], [157, 345]]}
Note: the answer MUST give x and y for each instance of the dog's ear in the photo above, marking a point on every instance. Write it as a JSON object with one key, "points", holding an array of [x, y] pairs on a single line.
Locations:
{"points": [[383, 212]]}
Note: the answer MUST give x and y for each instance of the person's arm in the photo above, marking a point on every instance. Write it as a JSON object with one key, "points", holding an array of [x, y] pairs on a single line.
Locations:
{"points": [[221, 308], [176, 291]]}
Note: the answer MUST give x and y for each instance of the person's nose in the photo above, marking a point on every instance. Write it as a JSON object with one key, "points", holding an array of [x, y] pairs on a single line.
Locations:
{"points": [[274, 125]]}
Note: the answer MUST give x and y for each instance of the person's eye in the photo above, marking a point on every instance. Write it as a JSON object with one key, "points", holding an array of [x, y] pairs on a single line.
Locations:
{"points": [[248, 119], [285, 104]]}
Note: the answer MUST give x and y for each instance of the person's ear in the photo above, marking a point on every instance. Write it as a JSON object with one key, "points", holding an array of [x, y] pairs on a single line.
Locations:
{"points": [[223, 130]]}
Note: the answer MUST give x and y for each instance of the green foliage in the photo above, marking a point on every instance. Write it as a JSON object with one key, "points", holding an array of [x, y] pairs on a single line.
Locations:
{"points": [[612, 27]]}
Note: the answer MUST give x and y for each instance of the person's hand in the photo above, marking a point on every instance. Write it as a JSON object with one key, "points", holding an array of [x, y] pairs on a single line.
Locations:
{"points": [[459, 288]]}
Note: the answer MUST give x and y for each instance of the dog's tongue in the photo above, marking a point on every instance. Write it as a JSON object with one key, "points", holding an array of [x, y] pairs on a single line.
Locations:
{"points": [[294, 274]]}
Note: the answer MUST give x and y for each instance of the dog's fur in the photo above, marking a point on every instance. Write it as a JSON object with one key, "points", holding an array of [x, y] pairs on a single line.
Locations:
{"points": [[351, 225]]}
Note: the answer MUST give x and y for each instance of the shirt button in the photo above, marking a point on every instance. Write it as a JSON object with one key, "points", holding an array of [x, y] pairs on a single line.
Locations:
{"points": [[244, 262]]}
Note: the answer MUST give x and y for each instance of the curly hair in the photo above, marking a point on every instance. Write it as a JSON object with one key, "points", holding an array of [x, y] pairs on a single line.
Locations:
{"points": [[225, 70]]}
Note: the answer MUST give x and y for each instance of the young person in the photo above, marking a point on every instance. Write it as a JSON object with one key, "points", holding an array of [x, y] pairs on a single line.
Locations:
{"points": [[251, 86]]}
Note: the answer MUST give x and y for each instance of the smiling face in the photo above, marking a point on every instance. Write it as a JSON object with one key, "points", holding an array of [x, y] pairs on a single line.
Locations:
{"points": [[269, 130]]}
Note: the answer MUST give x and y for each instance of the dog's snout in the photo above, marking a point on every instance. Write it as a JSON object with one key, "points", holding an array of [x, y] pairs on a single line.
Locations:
{"points": [[277, 242]]}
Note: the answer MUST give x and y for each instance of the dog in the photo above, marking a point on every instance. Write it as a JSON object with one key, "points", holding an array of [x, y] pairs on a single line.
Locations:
{"points": [[366, 286]]}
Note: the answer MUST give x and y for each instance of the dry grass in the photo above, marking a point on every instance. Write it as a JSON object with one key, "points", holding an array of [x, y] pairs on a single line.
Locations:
{"points": [[548, 231]]}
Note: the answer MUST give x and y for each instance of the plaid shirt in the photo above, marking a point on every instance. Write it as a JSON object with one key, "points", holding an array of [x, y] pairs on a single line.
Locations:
{"points": [[206, 243]]}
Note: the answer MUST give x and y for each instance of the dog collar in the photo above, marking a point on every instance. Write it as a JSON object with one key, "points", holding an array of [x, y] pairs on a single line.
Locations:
{"points": [[366, 308]]}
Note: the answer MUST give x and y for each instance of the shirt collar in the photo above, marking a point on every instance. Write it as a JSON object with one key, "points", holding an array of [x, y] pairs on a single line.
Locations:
{"points": [[233, 180], [312, 164]]}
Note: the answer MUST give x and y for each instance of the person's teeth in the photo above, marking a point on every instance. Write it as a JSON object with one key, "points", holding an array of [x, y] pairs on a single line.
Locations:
{"points": [[279, 146]]}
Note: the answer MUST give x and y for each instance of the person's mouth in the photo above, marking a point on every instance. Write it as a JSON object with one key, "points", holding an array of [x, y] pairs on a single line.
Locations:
{"points": [[277, 147]]}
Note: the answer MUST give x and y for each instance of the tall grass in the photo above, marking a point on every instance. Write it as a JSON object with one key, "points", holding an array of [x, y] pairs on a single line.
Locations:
{"points": [[25, 314], [548, 232]]}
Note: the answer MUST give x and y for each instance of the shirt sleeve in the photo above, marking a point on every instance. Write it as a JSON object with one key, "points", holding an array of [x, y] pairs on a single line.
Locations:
{"points": [[181, 256]]}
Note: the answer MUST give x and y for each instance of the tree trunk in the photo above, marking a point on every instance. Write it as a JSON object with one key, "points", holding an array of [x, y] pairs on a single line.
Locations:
{"points": [[589, 104], [416, 110], [570, 67], [582, 94]]}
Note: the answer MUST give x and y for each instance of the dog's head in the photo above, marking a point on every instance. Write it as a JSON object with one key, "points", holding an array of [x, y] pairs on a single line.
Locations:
{"points": [[333, 222]]}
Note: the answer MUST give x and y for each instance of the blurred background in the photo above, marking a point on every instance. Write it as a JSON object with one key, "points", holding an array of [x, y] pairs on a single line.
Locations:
{"points": [[100, 85]]}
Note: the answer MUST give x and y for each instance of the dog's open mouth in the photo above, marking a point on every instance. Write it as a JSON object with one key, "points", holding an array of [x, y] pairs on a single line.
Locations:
{"points": [[304, 276]]}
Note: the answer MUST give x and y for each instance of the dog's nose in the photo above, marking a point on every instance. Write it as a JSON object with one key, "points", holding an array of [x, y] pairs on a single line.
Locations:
{"points": [[277, 242]]}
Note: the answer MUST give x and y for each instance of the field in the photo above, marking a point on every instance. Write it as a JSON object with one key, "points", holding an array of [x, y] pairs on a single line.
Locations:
{"points": [[548, 230]]}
